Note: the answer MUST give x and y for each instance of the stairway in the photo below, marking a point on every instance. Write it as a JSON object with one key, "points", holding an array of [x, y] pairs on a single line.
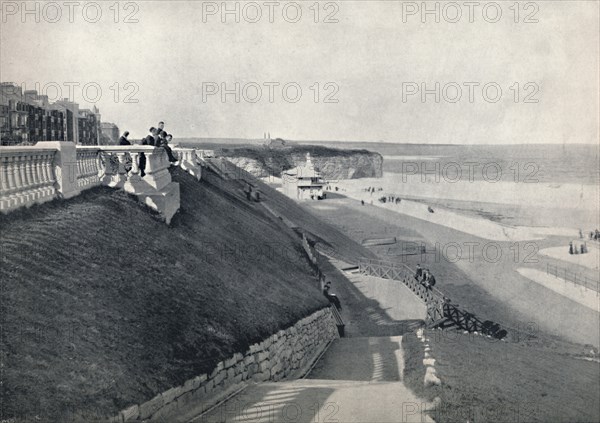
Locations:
{"points": [[356, 380]]}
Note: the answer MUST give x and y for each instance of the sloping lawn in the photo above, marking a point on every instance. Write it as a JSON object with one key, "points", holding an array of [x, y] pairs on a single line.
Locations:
{"points": [[103, 305], [485, 380]]}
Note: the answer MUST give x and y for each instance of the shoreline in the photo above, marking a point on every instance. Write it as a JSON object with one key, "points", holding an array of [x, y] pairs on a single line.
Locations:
{"points": [[495, 220], [492, 290]]}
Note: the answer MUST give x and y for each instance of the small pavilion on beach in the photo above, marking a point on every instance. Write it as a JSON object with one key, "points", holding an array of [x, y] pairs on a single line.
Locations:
{"points": [[304, 182]]}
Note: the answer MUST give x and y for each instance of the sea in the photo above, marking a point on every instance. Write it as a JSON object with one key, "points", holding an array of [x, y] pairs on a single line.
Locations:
{"points": [[520, 163]]}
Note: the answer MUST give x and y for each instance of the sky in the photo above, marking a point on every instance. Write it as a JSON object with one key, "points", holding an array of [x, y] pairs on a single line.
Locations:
{"points": [[355, 71]]}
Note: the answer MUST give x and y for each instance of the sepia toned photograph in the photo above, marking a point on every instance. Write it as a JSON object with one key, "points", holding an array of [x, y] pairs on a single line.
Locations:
{"points": [[310, 211]]}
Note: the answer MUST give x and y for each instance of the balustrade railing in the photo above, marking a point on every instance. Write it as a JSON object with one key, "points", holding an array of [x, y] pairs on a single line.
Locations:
{"points": [[188, 160], [88, 168], [26, 176], [121, 166], [35, 174]]}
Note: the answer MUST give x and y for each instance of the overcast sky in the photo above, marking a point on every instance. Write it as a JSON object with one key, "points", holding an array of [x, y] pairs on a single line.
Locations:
{"points": [[376, 53]]}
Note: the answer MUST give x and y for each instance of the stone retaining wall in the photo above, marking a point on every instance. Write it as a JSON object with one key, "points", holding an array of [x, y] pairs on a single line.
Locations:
{"points": [[287, 354]]}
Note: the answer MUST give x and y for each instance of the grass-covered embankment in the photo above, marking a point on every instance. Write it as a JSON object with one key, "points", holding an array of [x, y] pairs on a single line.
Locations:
{"points": [[104, 306], [486, 380]]}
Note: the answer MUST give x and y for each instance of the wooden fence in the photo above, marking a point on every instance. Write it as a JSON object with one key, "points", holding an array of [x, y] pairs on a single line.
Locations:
{"points": [[440, 310]]}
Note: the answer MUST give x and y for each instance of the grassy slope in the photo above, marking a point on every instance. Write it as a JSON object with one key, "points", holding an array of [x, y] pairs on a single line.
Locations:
{"points": [[303, 217], [104, 306], [490, 381]]}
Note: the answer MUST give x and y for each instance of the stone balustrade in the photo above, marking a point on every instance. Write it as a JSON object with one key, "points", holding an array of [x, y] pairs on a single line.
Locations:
{"points": [[49, 170], [88, 169], [188, 160], [26, 176]]}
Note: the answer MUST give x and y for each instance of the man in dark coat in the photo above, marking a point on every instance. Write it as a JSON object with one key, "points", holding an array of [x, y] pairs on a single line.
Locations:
{"points": [[123, 140], [419, 272], [151, 138]]}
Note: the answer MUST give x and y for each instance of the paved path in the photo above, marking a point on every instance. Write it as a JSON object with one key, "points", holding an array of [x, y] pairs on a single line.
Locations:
{"points": [[357, 380], [374, 306]]}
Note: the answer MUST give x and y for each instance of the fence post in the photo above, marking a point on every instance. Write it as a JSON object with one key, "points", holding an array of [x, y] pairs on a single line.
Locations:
{"points": [[65, 167]]}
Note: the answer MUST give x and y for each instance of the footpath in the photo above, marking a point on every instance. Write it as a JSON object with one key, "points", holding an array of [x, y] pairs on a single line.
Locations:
{"points": [[358, 378]]}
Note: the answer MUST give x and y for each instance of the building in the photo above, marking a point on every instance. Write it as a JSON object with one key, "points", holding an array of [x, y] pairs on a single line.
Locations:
{"points": [[23, 123], [10, 91], [277, 143], [109, 133], [27, 118], [89, 127], [71, 110], [14, 123], [304, 182]]}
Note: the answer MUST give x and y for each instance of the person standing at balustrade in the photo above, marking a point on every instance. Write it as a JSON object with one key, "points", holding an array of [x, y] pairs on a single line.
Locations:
{"points": [[418, 273], [149, 140], [165, 145], [123, 140], [431, 280], [152, 137]]}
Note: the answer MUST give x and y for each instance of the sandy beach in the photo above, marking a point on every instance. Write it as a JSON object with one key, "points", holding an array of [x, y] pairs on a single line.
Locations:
{"points": [[570, 205], [492, 286]]}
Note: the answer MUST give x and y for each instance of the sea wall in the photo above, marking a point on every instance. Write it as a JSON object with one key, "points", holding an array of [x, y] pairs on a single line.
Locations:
{"points": [[287, 354]]}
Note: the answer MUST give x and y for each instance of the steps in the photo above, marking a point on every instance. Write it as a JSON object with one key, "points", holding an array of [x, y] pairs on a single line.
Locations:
{"points": [[356, 380]]}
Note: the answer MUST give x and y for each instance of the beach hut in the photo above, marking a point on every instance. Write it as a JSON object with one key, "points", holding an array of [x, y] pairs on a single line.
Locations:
{"points": [[304, 182]]}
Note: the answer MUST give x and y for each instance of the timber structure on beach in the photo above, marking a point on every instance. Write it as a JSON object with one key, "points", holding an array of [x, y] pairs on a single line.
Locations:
{"points": [[441, 312]]}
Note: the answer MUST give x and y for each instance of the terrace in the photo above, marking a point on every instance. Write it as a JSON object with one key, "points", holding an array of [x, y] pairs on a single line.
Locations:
{"points": [[48, 170]]}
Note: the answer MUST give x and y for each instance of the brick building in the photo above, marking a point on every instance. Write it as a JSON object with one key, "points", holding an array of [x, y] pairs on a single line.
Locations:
{"points": [[27, 118], [109, 133]]}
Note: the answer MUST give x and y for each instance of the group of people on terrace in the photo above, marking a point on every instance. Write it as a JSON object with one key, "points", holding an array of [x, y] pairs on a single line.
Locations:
{"points": [[157, 137], [424, 277]]}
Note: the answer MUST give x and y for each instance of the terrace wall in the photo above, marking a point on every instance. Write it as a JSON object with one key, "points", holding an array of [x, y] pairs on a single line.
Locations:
{"points": [[287, 354]]}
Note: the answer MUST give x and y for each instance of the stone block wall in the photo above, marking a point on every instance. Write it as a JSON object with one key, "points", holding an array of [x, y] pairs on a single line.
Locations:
{"points": [[287, 354]]}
